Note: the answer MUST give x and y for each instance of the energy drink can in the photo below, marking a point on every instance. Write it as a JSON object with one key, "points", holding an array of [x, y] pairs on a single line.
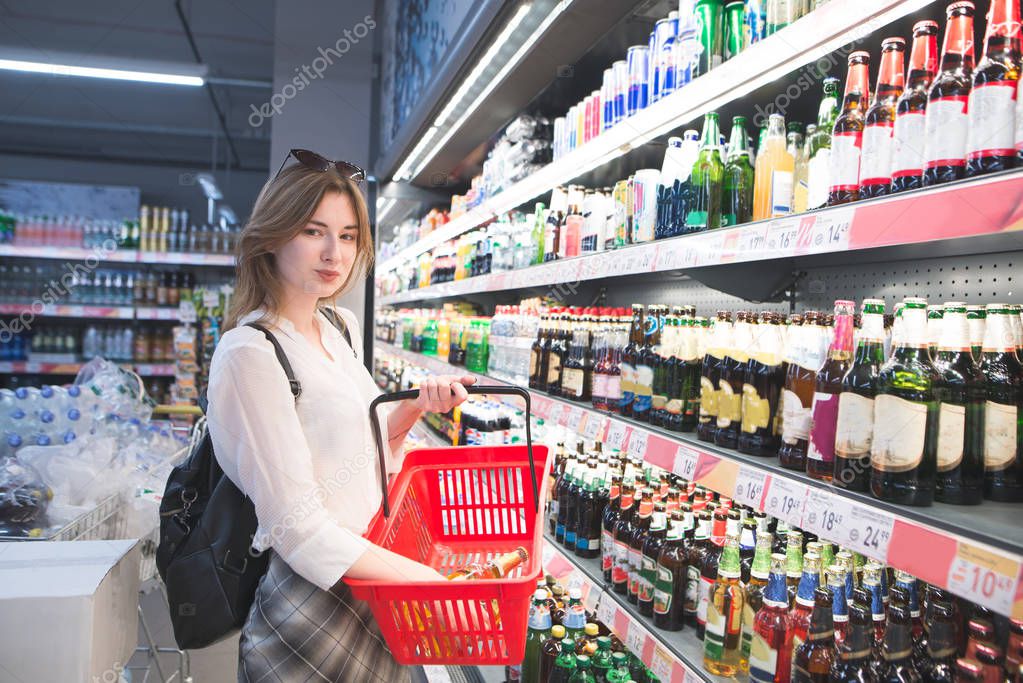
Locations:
{"points": [[620, 81], [756, 14], [638, 58], [735, 28], [644, 204], [560, 146], [709, 17], [618, 235], [664, 81], [607, 100]]}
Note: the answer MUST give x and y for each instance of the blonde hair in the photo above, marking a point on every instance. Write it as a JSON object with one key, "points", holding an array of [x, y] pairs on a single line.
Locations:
{"points": [[283, 208]]}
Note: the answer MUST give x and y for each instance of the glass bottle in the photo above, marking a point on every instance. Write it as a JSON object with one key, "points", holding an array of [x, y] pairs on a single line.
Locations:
{"points": [[646, 365], [820, 463], [539, 623], [761, 391], [801, 189], [797, 394], [904, 445], [621, 535], [960, 392], [558, 353], [835, 578], [637, 536], [670, 582], [655, 540], [847, 135], [909, 136], [697, 551], [947, 124], [705, 180], [730, 385], [818, 170], [497, 568], [737, 185], [896, 653], [802, 610], [755, 595], [709, 568], [797, 148], [722, 643], [620, 493], [630, 359], [769, 659], [793, 562], [555, 219], [990, 140], [879, 122], [855, 654], [665, 352], [713, 361], [1003, 431], [772, 185], [812, 660], [588, 513], [872, 584]]}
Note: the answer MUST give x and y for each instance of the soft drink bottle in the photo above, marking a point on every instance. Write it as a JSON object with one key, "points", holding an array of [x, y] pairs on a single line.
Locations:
{"points": [[847, 135], [909, 137], [876, 157]]}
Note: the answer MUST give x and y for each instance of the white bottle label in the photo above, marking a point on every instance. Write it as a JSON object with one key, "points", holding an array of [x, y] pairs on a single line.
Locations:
{"points": [[876, 157], [992, 113], [909, 142], [763, 661], [951, 427], [900, 429], [795, 418], [818, 173], [781, 193], [999, 436], [845, 161], [947, 124], [855, 428]]}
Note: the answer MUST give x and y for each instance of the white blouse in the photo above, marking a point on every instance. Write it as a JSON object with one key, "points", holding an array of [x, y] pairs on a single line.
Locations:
{"points": [[309, 467]]}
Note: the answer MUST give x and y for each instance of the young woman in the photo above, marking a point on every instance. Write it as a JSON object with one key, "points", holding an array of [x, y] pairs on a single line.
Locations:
{"points": [[309, 465]]}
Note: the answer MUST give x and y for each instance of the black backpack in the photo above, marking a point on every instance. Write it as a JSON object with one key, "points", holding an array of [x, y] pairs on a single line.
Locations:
{"points": [[204, 555]]}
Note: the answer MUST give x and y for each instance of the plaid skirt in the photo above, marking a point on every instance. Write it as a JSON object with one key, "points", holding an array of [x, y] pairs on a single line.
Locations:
{"points": [[296, 632]]}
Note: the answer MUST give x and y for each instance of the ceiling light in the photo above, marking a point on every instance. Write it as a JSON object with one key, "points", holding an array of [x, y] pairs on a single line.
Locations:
{"points": [[95, 72]]}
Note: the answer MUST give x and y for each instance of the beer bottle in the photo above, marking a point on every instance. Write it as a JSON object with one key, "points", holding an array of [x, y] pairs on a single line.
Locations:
{"points": [[797, 394], [620, 492], [876, 157], [835, 581], [637, 535], [1003, 431], [655, 539], [801, 182], [941, 650], [793, 562], [818, 170], [555, 218], [558, 351], [847, 135], [897, 650], [705, 180], [665, 352], [588, 513], [946, 119], [697, 550], [855, 425], [537, 370], [990, 142], [733, 376], [618, 336], [737, 184], [630, 360], [854, 655], [674, 370], [723, 637], [960, 392], [568, 499], [976, 319], [748, 547], [769, 660], [761, 390], [872, 584], [812, 660], [909, 137], [621, 535], [539, 623], [713, 361], [709, 568], [802, 611], [820, 463], [600, 353], [755, 596], [498, 568], [795, 147], [903, 451], [671, 577], [646, 364]]}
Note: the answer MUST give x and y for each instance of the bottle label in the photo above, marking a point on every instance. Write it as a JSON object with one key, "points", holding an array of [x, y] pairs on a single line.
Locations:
{"points": [[534, 357], [708, 399], [992, 113], [845, 161], [644, 388], [818, 170], [599, 385], [876, 156], [648, 575], [795, 418], [909, 144], [763, 660], [620, 571], [614, 388], [947, 126], [729, 405], [822, 427], [900, 430], [659, 401], [607, 551], [951, 428], [635, 567], [628, 384], [572, 382], [748, 615], [706, 586], [673, 406], [756, 411], [714, 635], [693, 581], [554, 369], [781, 193], [999, 436], [854, 428], [663, 589]]}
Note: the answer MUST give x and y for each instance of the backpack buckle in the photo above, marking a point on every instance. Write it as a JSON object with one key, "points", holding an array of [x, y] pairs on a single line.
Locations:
{"points": [[296, 388], [234, 570]]}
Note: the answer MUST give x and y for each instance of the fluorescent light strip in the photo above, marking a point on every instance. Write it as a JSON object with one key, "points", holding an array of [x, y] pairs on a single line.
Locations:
{"points": [[93, 72]]}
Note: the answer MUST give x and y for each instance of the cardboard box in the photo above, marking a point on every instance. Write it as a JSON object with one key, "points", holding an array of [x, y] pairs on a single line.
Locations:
{"points": [[68, 610]]}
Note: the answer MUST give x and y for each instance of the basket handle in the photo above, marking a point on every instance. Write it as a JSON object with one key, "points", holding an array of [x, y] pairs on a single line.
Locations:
{"points": [[414, 393]]}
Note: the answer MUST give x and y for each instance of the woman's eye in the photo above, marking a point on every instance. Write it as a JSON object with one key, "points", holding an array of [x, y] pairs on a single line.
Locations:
{"points": [[350, 238], [312, 231]]}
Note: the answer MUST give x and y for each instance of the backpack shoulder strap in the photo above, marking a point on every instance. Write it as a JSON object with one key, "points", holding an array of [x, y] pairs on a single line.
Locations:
{"points": [[338, 322], [282, 358]]}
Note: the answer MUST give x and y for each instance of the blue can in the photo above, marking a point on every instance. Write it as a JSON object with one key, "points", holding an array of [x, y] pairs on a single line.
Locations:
{"points": [[664, 81], [651, 43], [607, 100], [620, 82], [638, 59], [755, 19]]}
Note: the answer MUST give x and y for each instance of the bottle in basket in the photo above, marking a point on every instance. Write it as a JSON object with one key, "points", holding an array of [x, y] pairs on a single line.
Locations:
{"points": [[497, 568]]}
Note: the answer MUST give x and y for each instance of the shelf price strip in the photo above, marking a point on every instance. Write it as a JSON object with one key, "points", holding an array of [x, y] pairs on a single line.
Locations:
{"points": [[984, 576]]}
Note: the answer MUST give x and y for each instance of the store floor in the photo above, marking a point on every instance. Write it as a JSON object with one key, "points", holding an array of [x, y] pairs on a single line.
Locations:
{"points": [[219, 663]]}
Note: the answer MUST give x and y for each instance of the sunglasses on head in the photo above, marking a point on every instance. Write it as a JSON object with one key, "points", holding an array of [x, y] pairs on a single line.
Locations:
{"points": [[316, 162]]}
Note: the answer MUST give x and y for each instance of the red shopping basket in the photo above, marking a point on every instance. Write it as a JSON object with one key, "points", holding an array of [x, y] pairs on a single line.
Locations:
{"points": [[450, 507]]}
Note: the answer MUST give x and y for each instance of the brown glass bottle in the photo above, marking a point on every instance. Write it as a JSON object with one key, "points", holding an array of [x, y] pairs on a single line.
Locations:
{"points": [[947, 123], [646, 364], [1003, 430], [696, 552], [630, 360], [896, 652], [710, 376], [672, 574], [909, 137], [733, 376], [538, 355], [761, 391], [637, 536], [612, 513], [797, 395], [847, 135], [820, 462], [941, 648], [855, 655], [812, 660], [558, 352], [655, 538], [622, 534], [709, 567], [879, 122]]}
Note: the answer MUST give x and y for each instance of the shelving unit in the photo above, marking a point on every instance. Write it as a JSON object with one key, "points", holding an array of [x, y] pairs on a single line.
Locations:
{"points": [[101, 255], [37, 368], [93, 312]]}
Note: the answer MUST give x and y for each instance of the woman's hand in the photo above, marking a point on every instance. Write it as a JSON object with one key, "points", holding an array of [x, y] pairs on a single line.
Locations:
{"points": [[442, 393]]}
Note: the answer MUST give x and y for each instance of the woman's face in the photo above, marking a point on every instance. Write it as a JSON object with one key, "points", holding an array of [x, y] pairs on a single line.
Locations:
{"points": [[317, 260]]}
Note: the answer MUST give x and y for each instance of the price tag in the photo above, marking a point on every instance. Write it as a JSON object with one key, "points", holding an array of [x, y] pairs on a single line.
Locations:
{"points": [[593, 426], [645, 259], [781, 235], [869, 531], [984, 576], [554, 414], [831, 230], [685, 463], [753, 241], [749, 487], [574, 416], [606, 611], [616, 434], [671, 256], [824, 514], [662, 664], [637, 443], [636, 638], [784, 500]]}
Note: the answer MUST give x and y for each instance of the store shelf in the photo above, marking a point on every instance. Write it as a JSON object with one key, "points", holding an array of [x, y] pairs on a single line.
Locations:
{"points": [[941, 544], [101, 255], [36, 368], [69, 311], [156, 313], [824, 30], [970, 217], [675, 656]]}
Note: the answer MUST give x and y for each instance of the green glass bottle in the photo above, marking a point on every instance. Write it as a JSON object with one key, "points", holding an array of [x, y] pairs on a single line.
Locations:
{"points": [[737, 185], [722, 640], [706, 178], [1003, 430], [564, 665], [903, 451], [538, 625], [539, 223], [819, 163], [583, 671]]}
